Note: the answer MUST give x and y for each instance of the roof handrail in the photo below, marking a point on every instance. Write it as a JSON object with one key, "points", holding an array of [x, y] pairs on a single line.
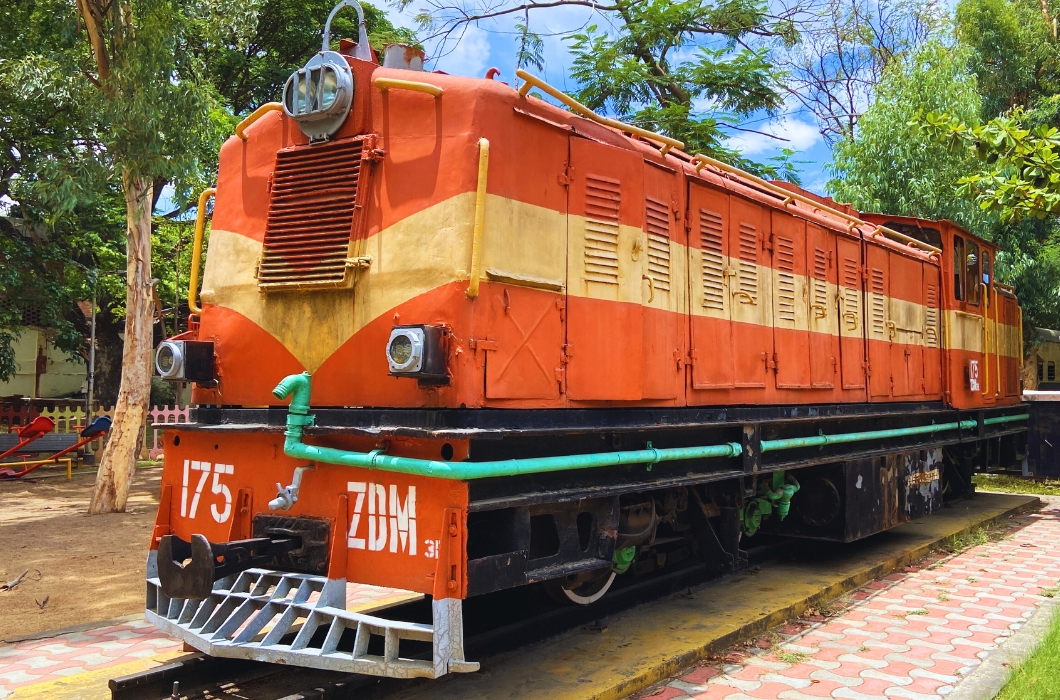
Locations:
{"points": [[530, 81], [702, 161]]}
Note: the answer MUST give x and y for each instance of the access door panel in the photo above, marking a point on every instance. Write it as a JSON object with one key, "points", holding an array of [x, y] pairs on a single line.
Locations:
{"points": [[750, 292], [605, 222], [664, 286], [790, 302], [823, 313], [877, 331], [709, 298], [851, 313], [905, 325], [524, 359]]}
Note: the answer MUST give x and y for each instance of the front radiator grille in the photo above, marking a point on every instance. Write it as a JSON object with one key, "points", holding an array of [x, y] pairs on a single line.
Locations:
{"points": [[313, 210]]}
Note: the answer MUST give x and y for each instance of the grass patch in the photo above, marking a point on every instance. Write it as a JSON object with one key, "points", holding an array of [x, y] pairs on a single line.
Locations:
{"points": [[1015, 484], [1039, 676], [790, 657], [1053, 592], [919, 611]]}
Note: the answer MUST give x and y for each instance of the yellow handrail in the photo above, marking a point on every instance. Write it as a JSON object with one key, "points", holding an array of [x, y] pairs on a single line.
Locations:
{"points": [[480, 218], [530, 81], [241, 128], [385, 84], [702, 161], [196, 251], [986, 339]]}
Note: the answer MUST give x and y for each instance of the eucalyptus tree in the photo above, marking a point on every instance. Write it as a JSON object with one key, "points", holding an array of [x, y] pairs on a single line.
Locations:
{"points": [[160, 118]]}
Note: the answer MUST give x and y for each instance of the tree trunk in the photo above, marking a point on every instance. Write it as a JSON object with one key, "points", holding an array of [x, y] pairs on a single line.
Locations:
{"points": [[118, 461]]}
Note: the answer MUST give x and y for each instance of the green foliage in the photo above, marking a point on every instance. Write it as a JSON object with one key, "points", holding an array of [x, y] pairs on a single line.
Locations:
{"points": [[1015, 55], [1021, 167], [655, 69], [894, 168], [251, 72]]}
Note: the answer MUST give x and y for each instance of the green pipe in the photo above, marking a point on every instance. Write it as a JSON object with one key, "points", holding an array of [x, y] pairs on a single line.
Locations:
{"points": [[297, 386], [822, 440], [1006, 419]]}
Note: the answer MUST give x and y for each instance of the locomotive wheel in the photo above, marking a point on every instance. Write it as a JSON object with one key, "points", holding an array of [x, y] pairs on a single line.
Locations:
{"points": [[581, 592]]}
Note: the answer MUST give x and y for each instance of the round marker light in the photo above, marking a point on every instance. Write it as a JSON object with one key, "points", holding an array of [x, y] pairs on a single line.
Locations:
{"points": [[169, 359], [401, 350], [404, 350]]}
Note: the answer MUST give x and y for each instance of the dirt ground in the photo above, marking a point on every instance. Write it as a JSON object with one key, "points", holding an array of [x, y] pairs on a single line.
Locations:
{"points": [[90, 567]]}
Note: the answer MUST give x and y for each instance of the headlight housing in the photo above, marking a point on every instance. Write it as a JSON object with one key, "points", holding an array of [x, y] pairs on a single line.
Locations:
{"points": [[319, 95], [185, 361], [418, 351]]}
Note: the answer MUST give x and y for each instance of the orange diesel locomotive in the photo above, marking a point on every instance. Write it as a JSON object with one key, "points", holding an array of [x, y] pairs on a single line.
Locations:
{"points": [[455, 339]]}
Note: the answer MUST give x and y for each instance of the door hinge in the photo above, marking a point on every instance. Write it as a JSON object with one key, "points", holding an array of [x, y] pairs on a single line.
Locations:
{"points": [[567, 176], [770, 361], [568, 352], [561, 304], [868, 368], [767, 243], [561, 378]]}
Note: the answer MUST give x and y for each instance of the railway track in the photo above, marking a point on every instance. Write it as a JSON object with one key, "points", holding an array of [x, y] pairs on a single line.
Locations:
{"points": [[494, 624]]}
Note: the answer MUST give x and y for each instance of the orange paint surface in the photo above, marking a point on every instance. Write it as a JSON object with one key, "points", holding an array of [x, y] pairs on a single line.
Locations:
{"points": [[392, 529]]}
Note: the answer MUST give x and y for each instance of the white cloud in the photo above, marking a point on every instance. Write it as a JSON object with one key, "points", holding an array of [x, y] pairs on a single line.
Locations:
{"points": [[799, 135], [470, 56]]}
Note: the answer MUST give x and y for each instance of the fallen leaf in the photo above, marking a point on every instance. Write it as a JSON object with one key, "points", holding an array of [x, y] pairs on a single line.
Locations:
{"points": [[40, 604]]}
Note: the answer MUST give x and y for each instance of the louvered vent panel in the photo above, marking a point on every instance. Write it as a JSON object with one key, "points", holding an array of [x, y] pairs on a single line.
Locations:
{"points": [[820, 282], [931, 317], [851, 303], [785, 278], [747, 271], [658, 219], [311, 214], [710, 236], [879, 302], [602, 201]]}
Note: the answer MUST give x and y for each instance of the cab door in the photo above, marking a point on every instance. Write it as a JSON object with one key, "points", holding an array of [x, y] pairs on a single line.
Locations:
{"points": [[605, 262], [823, 315], [663, 286], [878, 332]]}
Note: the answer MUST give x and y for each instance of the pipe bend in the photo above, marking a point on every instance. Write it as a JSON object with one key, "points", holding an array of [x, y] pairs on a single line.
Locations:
{"points": [[298, 385]]}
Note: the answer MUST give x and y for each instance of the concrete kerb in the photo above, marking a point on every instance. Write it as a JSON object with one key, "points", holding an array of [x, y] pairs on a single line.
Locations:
{"points": [[649, 676], [989, 677], [48, 634]]}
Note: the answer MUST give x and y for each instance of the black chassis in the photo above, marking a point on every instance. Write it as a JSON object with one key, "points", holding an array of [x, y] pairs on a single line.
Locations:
{"points": [[563, 525]]}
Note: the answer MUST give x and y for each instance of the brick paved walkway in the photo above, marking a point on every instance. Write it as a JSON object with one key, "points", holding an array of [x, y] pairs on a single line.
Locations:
{"points": [[42, 660], [913, 634]]}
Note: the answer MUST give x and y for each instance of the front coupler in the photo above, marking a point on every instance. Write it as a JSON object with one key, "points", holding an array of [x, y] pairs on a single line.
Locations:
{"points": [[207, 561]]}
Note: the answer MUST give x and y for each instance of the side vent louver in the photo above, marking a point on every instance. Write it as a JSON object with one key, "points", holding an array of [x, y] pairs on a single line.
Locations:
{"points": [[711, 234], [314, 210], [603, 199], [658, 225]]}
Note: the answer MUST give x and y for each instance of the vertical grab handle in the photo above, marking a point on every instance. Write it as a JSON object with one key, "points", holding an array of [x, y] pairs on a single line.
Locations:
{"points": [[986, 338], [196, 253], [480, 218]]}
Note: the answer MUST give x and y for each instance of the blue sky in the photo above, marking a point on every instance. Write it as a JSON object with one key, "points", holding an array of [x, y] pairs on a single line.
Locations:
{"points": [[493, 44]]}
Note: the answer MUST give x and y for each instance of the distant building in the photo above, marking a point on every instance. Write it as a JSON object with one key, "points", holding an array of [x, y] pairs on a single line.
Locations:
{"points": [[1041, 369], [43, 371]]}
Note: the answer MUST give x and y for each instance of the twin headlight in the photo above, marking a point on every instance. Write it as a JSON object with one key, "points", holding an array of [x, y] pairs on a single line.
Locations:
{"points": [[319, 95], [418, 351], [185, 360]]}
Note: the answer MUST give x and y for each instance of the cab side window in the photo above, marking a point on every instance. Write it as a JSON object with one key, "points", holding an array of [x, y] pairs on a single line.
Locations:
{"points": [[972, 278], [958, 268]]}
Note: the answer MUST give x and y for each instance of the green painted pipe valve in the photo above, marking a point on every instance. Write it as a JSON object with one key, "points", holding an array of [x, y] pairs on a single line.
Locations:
{"points": [[623, 559]]}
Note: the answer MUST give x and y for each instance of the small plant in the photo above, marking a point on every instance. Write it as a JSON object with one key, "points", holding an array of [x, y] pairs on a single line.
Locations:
{"points": [[790, 657], [1053, 592], [862, 649], [919, 611], [943, 596], [972, 579]]}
